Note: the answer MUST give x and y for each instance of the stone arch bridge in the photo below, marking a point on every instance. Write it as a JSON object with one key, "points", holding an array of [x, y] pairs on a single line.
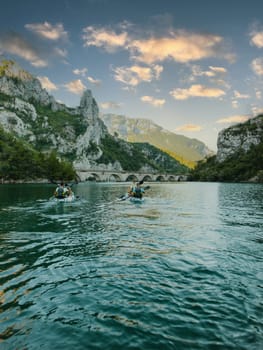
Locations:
{"points": [[116, 176]]}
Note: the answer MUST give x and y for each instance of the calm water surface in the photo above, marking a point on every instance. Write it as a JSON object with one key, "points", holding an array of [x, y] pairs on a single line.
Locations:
{"points": [[183, 270]]}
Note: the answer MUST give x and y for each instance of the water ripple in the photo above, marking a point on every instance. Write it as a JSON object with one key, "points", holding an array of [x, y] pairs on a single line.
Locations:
{"points": [[181, 271]]}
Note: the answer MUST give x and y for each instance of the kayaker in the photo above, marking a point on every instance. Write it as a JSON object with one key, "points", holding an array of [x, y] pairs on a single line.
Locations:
{"points": [[131, 189], [67, 190], [60, 191], [137, 191]]}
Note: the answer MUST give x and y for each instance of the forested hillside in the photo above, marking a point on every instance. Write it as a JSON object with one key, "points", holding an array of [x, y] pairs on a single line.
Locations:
{"points": [[19, 161]]}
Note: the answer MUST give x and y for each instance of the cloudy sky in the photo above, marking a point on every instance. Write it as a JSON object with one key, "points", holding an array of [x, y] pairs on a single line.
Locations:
{"points": [[193, 67]]}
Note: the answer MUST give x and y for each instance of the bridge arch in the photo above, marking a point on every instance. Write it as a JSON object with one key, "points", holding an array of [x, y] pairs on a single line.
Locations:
{"points": [[160, 178], [180, 178], [171, 178], [93, 177], [132, 178], [114, 178], [147, 178]]}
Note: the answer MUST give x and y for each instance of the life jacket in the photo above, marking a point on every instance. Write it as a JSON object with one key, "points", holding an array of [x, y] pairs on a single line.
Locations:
{"points": [[137, 192], [60, 192]]}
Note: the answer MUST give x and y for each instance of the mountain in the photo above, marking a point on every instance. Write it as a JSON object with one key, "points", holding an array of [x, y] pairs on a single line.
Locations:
{"points": [[77, 135], [239, 156], [188, 151]]}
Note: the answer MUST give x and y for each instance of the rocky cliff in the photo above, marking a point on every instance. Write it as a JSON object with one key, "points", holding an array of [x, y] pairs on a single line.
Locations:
{"points": [[31, 113], [239, 137], [239, 157]]}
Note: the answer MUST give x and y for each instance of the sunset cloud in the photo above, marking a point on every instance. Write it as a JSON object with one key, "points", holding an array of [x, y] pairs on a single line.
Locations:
{"points": [[76, 86], [256, 38], [47, 84], [196, 91], [178, 45], [189, 128], [101, 37], [153, 101], [181, 47], [233, 119], [134, 75], [48, 31], [13, 43], [211, 72]]}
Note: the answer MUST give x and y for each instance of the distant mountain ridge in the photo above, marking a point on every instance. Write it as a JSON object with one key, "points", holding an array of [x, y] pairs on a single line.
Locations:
{"points": [[188, 151]]}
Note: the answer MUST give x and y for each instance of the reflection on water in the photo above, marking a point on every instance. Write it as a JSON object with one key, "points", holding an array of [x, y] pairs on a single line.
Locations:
{"points": [[183, 270]]}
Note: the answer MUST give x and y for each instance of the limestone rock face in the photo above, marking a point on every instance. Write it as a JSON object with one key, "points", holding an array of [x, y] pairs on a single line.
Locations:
{"points": [[239, 137], [30, 112]]}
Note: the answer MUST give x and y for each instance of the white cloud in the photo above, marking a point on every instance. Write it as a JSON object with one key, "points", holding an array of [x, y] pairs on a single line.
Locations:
{"points": [[213, 73], [101, 37], [48, 31], [153, 101], [238, 95], [235, 104], [81, 72], [257, 66], [110, 105], [76, 86], [94, 81], [233, 119], [47, 84], [134, 75], [196, 91], [60, 52], [258, 94]]}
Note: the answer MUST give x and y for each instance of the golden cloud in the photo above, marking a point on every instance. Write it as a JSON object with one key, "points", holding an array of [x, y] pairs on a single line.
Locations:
{"points": [[153, 101], [196, 91], [76, 86], [101, 37], [47, 84], [134, 75], [257, 39], [180, 46], [48, 31]]}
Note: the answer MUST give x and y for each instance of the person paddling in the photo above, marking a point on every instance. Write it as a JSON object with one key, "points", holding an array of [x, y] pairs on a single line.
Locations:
{"points": [[60, 191], [137, 191]]}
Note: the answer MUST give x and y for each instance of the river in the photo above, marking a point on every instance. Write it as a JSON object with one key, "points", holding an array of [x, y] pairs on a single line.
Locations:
{"points": [[183, 270]]}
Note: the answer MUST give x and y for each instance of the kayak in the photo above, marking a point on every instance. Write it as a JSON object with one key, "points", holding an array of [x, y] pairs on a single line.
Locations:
{"points": [[136, 200], [70, 198]]}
